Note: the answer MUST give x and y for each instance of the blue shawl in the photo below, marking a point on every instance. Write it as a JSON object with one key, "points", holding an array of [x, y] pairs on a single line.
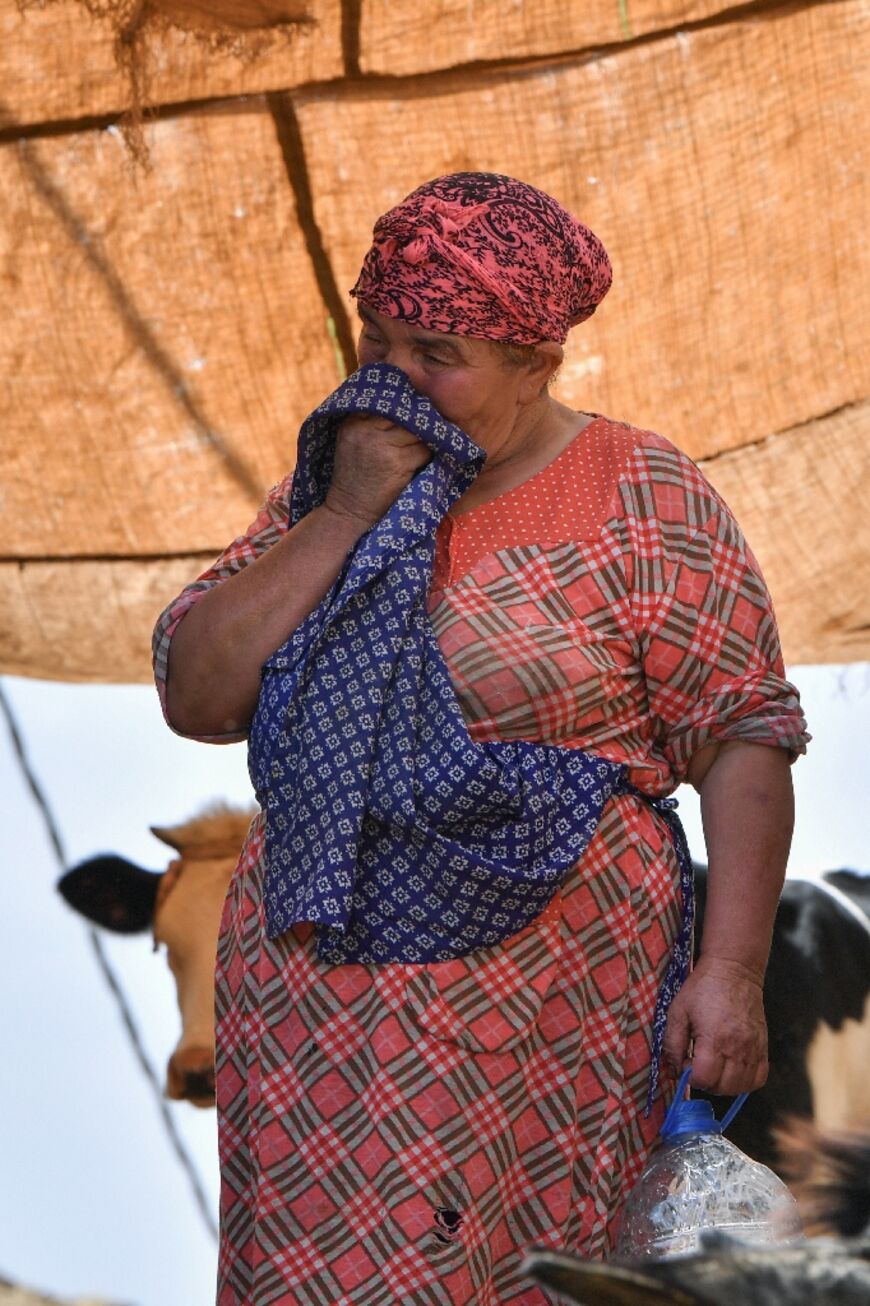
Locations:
{"points": [[386, 824]]}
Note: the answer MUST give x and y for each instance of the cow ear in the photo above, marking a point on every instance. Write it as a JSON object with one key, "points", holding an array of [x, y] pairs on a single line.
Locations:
{"points": [[112, 892], [602, 1283], [166, 834], [855, 885]]}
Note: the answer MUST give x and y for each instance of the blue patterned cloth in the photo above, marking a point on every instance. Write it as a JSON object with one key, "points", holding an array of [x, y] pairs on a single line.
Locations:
{"points": [[386, 824]]}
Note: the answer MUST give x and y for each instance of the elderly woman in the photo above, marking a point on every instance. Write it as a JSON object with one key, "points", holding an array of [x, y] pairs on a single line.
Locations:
{"points": [[475, 641]]}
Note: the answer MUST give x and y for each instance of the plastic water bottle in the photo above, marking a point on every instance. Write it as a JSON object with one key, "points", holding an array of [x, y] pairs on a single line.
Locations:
{"points": [[699, 1180]]}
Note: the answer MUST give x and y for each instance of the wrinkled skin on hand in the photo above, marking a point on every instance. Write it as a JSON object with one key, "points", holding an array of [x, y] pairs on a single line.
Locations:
{"points": [[717, 1020], [374, 461]]}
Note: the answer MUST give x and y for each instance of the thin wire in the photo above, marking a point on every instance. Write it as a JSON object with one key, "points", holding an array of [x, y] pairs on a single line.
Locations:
{"points": [[110, 978]]}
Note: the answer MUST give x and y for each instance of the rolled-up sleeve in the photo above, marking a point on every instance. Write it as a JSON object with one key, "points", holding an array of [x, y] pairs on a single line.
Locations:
{"points": [[702, 614], [267, 528]]}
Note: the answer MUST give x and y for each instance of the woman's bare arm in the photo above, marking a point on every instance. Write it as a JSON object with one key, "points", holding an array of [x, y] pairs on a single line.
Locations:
{"points": [[217, 651], [747, 807]]}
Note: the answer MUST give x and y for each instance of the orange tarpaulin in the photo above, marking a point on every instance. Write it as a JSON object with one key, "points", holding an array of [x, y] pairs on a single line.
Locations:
{"points": [[167, 326]]}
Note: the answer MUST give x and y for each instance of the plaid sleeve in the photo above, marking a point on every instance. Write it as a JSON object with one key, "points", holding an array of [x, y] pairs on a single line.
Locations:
{"points": [[267, 528], [701, 613]]}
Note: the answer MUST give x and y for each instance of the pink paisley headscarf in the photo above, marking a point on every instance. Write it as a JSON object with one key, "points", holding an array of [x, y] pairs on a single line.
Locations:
{"points": [[478, 254]]}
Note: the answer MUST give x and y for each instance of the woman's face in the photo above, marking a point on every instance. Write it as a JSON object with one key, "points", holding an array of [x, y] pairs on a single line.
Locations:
{"points": [[468, 380]]}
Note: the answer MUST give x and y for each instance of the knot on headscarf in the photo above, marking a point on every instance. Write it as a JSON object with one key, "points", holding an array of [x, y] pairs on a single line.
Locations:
{"points": [[484, 255], [437, 238], [441, 225]]}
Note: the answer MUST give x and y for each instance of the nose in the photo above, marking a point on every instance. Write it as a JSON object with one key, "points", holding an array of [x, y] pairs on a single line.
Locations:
{"points": [[399, 353], [413, 371]]}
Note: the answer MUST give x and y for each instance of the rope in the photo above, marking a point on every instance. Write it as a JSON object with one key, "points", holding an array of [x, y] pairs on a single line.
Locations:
{"points": [[109, 976]]}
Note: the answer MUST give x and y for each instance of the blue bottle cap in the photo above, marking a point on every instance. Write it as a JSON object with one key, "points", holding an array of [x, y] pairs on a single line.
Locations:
{"points": [[695, 1115], [692, 1116]]}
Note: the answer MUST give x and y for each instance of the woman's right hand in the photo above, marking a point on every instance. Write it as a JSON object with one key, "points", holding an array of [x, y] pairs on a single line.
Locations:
{"points": [[374, 461]]}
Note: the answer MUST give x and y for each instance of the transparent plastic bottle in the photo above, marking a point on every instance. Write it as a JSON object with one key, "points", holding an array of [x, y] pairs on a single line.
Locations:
{"points": [[699, 1180]]}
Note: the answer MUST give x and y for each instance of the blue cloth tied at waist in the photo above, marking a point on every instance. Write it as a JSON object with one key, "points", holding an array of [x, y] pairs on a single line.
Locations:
{"points": [[387, 826]]}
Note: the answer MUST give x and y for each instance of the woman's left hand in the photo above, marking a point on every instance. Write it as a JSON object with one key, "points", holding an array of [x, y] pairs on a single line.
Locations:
{"points": [[717, 1020]]}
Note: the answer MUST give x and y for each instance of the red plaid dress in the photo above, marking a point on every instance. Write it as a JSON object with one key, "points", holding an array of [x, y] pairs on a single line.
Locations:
{"points": [[401, 1133]]}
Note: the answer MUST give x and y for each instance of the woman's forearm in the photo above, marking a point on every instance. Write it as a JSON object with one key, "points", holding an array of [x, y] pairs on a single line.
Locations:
{"points": [[717, 1017], [218, 649], [747, 808]]}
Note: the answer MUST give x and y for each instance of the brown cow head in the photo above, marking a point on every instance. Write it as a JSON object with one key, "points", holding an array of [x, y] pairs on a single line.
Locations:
{"points": [[182, 905]]}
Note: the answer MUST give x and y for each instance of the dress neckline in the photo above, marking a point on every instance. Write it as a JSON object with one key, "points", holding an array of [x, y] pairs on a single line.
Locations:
{"points": [[456, 518]]}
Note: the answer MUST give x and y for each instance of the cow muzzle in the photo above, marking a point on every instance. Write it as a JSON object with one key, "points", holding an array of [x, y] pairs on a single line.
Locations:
{"points": [[190, 1076]]}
